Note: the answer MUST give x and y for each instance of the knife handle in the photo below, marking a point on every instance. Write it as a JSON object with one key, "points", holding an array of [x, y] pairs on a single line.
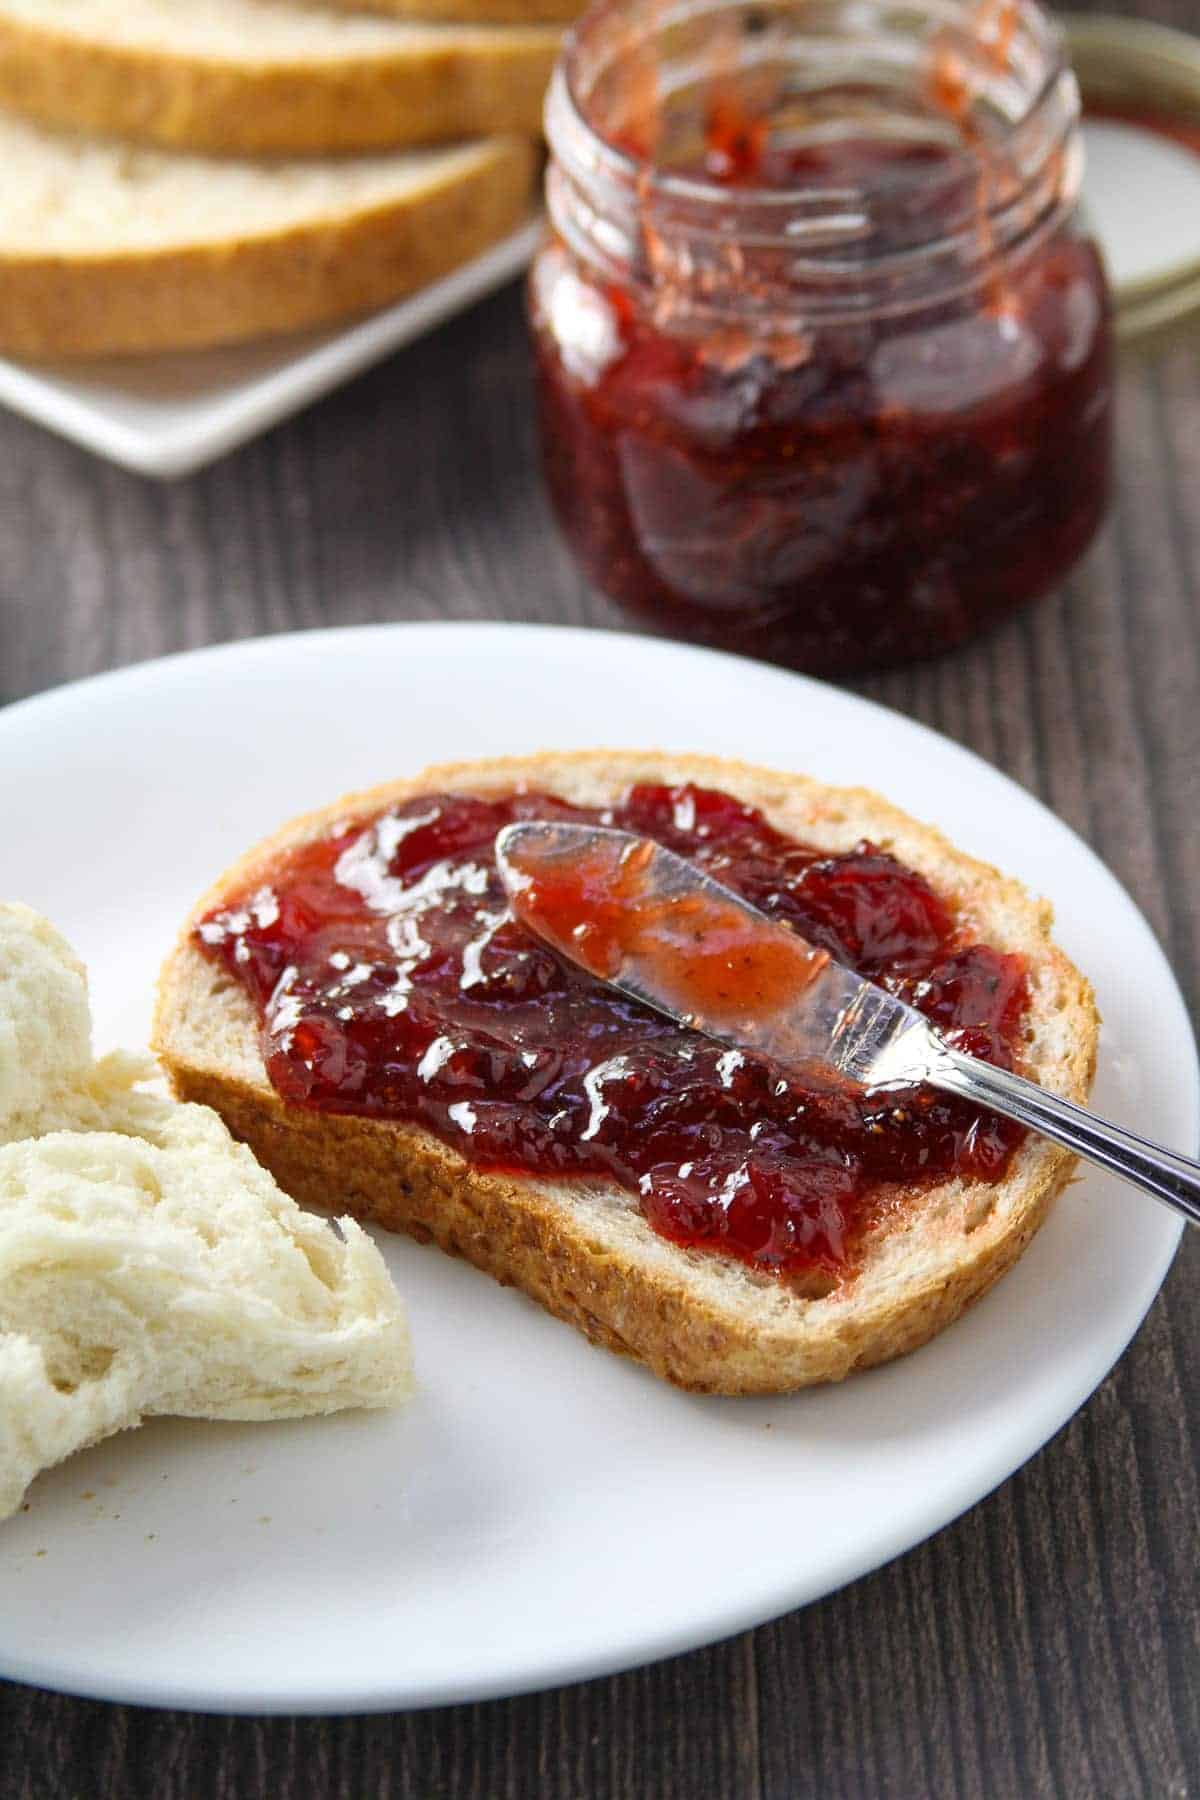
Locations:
{"points": [[1171, 1178]]}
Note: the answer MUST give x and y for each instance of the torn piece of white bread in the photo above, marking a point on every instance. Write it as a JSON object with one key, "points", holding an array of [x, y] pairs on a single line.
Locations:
{"points": [[148, 1264], [45, 1024]]}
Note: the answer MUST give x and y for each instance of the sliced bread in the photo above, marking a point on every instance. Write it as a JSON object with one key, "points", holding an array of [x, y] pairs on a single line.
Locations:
{"points": [[105, 248], [267, 76], [581, 1247]]}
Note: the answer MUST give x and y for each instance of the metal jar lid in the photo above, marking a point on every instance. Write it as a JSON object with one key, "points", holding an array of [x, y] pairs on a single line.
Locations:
{"points": [[1141, 193]]}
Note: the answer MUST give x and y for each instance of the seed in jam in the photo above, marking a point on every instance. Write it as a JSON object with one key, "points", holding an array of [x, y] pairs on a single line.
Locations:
{"points": [[392, 981]]}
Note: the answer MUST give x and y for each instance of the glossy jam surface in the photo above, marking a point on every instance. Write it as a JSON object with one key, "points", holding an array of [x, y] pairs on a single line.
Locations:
{"points": [[392, 980], [832, 495]]}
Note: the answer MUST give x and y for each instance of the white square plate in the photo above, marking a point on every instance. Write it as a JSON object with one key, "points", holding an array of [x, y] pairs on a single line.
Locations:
{"points": [[168, 415]]}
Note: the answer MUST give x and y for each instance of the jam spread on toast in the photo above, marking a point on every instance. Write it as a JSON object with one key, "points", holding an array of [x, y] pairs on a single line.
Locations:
{"points": [[392, 981]]}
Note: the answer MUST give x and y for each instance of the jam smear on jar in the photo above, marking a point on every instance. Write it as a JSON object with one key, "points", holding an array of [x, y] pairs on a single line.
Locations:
{"points": [[392, 981], [837, 459]]}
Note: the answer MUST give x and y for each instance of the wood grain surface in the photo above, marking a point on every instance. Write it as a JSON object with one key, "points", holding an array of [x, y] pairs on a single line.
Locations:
{"points": [[1048, 1643]]}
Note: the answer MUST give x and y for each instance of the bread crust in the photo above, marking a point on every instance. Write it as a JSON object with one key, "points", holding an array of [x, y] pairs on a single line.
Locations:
{"points": [[226, 290], [453, 85], [492, 12], [581, 1249]]}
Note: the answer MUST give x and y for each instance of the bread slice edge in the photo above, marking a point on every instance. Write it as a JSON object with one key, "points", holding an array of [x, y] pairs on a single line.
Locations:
{"points": [[448, 82], [232, 288], [469, 12]]}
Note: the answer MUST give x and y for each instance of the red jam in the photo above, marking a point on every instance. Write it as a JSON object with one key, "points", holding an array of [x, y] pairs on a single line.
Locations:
{"points": [[740, 459], [392, 981]]}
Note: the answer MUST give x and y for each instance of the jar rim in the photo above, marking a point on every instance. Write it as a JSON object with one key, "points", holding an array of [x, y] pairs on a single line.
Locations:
{"points": [[824, 225]]}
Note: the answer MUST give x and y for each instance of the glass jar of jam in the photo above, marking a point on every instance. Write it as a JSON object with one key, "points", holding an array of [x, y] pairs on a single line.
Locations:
{"points": [[823, 357]]}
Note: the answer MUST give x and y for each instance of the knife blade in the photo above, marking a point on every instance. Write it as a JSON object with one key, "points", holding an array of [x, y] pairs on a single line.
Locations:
{"points": [[662, 931]]}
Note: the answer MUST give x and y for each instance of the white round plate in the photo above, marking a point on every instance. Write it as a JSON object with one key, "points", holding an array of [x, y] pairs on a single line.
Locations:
{"points": [[542, 1511]]}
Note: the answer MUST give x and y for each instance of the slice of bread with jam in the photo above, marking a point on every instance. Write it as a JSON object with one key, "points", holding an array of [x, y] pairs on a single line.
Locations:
{"points": [[582, 1245]]}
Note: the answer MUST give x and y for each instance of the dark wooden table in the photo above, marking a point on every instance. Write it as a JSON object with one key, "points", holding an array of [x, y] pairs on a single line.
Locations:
{"points": [[1049, 1642]]}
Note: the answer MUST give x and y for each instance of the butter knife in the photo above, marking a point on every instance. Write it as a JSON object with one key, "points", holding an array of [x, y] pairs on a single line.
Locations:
{"points": [[662, 931]]}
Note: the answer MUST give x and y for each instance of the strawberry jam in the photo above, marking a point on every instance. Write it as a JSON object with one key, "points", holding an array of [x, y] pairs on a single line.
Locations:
{"points": [[823, 365], [392, 981]]}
